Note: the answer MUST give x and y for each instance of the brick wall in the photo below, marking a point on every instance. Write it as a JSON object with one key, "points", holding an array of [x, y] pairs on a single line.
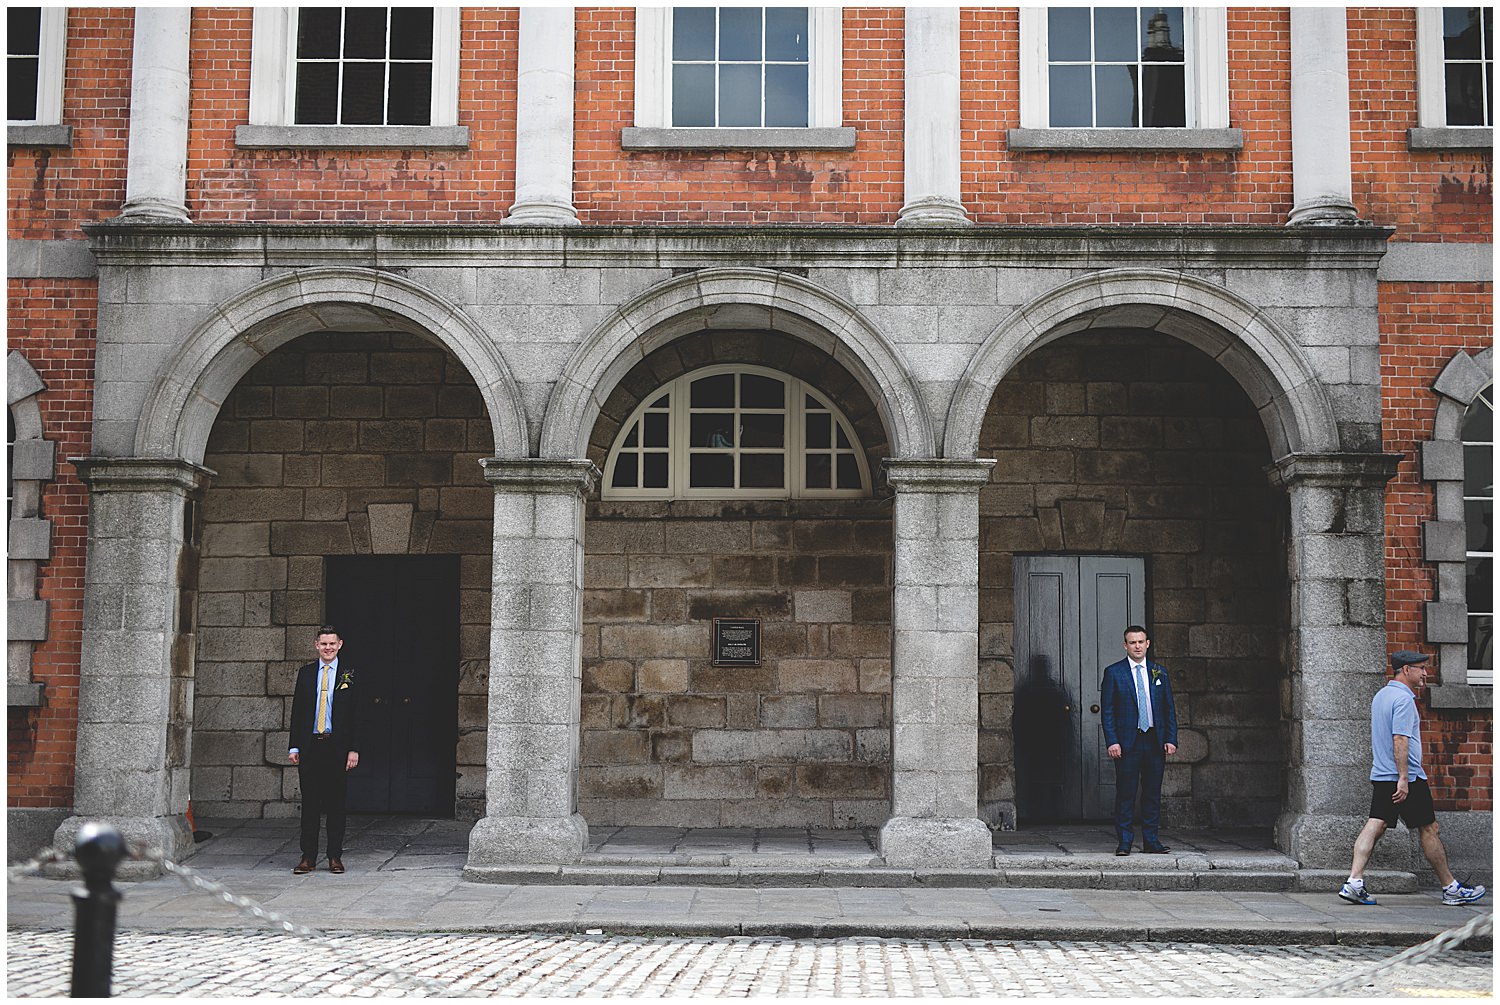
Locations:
{"points": [[52, 323], [1422, 325], [314, 434], [1168, 449]]}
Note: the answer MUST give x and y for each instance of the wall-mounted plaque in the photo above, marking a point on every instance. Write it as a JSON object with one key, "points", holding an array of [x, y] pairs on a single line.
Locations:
{"points": [[736, 642]]}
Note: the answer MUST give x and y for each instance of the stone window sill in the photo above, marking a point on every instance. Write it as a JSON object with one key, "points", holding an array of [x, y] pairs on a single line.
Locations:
{"points": [[38, 136], [817, 138], [353, 137], [1450, 138], [1460, 696], [1125, 139]]}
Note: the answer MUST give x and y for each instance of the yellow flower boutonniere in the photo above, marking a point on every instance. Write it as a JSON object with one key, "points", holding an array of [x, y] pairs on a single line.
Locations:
{"points": [[1156, 676], [345, 679]]}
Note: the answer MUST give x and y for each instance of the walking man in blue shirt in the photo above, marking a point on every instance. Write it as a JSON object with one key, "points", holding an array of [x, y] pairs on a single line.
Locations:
{"points": [[1400, 784]]}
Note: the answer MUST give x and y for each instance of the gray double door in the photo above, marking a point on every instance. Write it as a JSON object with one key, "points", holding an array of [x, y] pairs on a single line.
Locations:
{"points": [[1071, 613]]}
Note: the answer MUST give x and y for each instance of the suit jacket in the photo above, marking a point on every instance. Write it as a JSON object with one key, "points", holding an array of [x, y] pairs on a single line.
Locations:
{"points": [[305, 707], [1119, 713]]}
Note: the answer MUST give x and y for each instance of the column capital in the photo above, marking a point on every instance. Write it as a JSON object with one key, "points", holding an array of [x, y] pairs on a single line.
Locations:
{"points": [[540, 474], [938, 474], [142, 474], [1341, 470]]}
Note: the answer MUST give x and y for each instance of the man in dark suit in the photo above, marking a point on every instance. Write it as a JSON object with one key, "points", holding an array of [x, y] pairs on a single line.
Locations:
{"points": [[1140, 726], [324, 747]]}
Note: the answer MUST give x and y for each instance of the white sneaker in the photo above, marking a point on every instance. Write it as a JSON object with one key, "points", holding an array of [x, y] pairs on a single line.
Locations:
{"points": [[1460, 894]]}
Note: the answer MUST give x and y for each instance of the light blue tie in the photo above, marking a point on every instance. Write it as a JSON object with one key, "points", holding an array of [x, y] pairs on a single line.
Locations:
{"points": [[1142, 699]]}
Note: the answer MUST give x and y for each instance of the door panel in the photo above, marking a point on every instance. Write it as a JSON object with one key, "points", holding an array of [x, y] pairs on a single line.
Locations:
{"points": [[1070, 613], [399, 618]]}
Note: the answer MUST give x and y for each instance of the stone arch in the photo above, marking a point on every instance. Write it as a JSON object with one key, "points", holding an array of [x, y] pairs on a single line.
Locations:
{"points": [[1293, 405], [33, 463], [182, 404], [721, 299]]}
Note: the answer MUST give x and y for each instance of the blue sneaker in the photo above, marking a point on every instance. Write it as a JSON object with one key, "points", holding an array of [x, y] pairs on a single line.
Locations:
{"points": [[1459, 894], [1357, 894]]}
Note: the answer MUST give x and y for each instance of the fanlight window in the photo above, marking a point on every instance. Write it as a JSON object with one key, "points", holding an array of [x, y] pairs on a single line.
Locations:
{"points": [[743, 432]]}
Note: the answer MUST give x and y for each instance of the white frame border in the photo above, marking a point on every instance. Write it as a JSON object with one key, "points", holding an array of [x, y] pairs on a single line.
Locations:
{"points": [[52, 57]]}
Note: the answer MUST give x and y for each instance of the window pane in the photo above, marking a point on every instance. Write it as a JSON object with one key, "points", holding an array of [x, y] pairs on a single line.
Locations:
{"points": [[1115, 34], [662, 402], [693, 95], [739, 33], [711, 471], [762, 471], [1161, 34], [1482, 643], [411, 32], [1465, 94], [364, 32], [1070, 102], [712, 429], [848, 472], [410, 101], [1478, 524], [633, 438], [762, 430], [23, 31], [692, 33], [20, 98], [1461, 33], [786, 95], [1068, 34], [761, 392], [786, 33], [656, 430], [1479, 420], [364, 94], [1479, 479], [843, 439], [739, 95], [1164, 96], [625, 471], [655, 473], [1481, 586], [713, 392], [817, 430], [819, 471], [317, 93], [1114, 88], [318, 33]]}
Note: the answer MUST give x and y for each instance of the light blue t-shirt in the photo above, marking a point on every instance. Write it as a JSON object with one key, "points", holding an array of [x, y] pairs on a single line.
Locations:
{"points": [[1394, 713]]}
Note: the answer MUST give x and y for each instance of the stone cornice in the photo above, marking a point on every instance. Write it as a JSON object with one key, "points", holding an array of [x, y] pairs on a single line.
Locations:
{"points": [[1334, 470], [141, 474], [935, 474], [395, 246], [530, 474]]}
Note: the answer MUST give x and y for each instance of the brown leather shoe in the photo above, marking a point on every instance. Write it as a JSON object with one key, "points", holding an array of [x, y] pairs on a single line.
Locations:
{"points": [[303, 867], [335, 865]]}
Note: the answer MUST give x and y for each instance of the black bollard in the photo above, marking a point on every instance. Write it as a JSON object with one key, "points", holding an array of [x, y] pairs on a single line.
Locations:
{"points": [[99, 850]]}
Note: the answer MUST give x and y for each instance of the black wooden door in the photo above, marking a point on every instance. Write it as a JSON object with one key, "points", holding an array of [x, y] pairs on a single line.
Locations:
{"points": [[399, 618]]}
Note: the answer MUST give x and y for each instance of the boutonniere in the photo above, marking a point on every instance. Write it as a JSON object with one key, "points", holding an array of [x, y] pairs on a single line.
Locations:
{"points": [[345, 679], [1156, 676]]}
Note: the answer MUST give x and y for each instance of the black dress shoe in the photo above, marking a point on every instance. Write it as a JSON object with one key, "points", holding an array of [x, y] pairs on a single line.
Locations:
{"points": [[1123, 850], [1156, 849]]}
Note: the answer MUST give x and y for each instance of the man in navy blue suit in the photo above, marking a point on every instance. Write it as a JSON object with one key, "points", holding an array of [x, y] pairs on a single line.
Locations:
{"points": [[1141, 733]]}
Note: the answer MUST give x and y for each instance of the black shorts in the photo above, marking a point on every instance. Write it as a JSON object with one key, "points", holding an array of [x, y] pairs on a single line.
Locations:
{"points": [[1416, 809]]}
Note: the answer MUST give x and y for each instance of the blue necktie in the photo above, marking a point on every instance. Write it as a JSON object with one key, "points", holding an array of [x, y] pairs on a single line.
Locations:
{"points": [[1142, 698]]}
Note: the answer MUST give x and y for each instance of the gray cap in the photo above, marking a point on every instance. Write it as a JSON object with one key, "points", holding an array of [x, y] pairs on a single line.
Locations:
{"points": [[1407, 658]]}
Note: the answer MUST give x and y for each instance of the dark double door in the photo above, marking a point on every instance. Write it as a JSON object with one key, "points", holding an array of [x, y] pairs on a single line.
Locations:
{"points": [[399, 618]]}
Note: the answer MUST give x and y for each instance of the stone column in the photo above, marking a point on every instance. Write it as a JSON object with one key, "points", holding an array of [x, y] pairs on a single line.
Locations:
{"points": [[935, 668], [933, 196], [544, 119], [1322, 175], [1336, 648], [135, 688], [536, 614], [156, 169]]}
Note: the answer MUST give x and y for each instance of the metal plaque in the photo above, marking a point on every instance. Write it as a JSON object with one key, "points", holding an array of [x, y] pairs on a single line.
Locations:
{"points": [[736, 642]]}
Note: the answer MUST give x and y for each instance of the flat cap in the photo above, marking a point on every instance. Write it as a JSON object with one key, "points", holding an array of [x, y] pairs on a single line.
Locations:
{"points": [[1407, 658]]}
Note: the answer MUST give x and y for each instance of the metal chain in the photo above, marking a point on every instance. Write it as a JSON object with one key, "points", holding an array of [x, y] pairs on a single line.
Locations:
{"points": [[43, 859], [1440, 943]]}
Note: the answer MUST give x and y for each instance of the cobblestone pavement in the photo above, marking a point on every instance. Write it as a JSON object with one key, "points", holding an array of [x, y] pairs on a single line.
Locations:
{"points": [[250, 963]]}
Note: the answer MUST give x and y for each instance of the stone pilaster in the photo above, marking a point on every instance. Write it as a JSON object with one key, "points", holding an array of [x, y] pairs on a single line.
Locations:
{"points": [[156, 168], [1322, 171], [544, 119], [135, 689], [1336, 648], [933, 196], [935, 667], [531, 777]]}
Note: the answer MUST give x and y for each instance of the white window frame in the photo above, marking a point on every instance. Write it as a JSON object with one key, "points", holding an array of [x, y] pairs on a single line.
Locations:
{"points": [[1432, 85], [273, 63], [653, 70], [1206, 40], [52, 50], [679, 452]]}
